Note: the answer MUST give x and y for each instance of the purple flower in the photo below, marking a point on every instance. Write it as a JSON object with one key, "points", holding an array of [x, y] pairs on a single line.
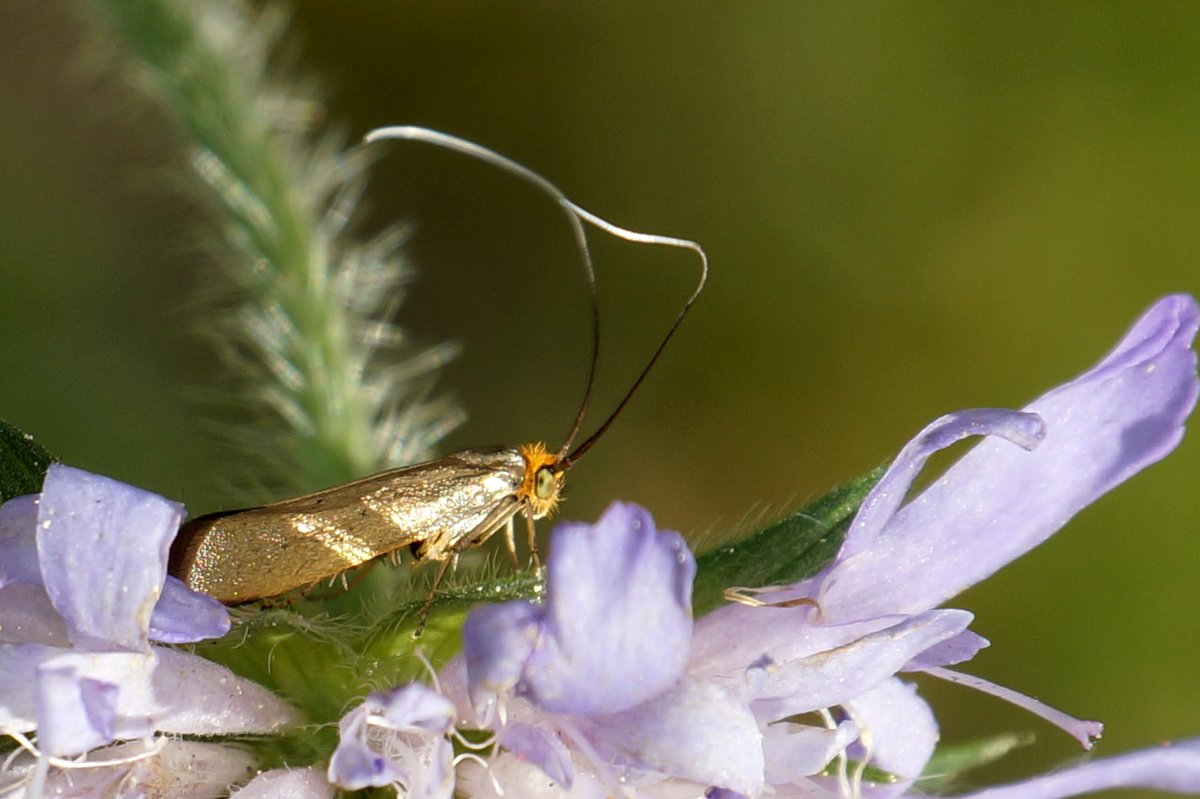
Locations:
{"points": [[82, 596], [397, 738], [609, 688]]}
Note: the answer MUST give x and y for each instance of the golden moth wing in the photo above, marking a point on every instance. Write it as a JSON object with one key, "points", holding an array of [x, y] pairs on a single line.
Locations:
{"points": [[244, 555]]}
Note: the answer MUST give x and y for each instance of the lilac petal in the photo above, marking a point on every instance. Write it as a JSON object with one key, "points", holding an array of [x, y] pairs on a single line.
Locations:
{"points": [[26, 616], [998, 502], [78, 701], [735, 634], [834, 677], [1026, 430], [958, 649], [796, 751], [497, 642], [414, 708], [396, 737], [18, 665], [843, 584], [102, 546], [301, 783], [696, 731], [608, 586], [184, 616], [542, 748], [86, 700], [204, 698], [354, 764], [901, 729], [1174, 768], [18, 541]]}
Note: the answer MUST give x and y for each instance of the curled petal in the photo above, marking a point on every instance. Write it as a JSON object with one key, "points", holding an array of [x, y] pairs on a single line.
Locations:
{"points": [[184, 616], [997, 502], [102, 546], [958, 649], [1026, 430], [796, 751], [608, 585], [86, 700], [1174, 768]]}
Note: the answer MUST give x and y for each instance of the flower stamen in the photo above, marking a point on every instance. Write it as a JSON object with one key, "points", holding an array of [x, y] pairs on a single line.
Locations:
{"points": [[744, 595], [856, 781], [485, 764], [35, 778], [1086, 732], [842, 772]]}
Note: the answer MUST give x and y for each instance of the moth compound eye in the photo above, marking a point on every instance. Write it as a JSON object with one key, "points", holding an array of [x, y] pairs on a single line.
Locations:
{"points": [[545, 484]]}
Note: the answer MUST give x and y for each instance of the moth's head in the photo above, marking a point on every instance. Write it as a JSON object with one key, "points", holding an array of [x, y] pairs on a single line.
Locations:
{"points": [[542, 486]]}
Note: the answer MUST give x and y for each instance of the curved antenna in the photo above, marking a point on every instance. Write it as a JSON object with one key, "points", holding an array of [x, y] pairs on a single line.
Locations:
{"points": [[574, 213], [576, 216], [643, 238]]}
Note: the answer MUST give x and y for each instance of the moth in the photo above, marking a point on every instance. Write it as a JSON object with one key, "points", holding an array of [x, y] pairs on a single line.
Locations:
{"points": [[436, 509]]}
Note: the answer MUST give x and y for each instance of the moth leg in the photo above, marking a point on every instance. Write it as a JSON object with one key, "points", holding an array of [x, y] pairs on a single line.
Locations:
{"points": [[512, 544], [423, 613], [535, 562]]}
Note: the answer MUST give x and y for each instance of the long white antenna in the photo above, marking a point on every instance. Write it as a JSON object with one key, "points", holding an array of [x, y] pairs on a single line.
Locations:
{"points": [[577, 216]]}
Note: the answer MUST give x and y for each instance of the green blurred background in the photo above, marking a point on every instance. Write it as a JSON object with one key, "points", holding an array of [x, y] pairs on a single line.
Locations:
{"points": [[910, 208]]}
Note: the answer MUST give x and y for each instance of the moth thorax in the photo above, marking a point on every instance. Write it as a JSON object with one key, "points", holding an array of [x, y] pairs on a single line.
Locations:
{"points": [[543, 480]]}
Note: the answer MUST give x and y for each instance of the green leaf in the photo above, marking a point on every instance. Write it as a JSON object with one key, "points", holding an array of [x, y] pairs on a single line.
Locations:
{"points": [[949, 763], [784, 552], [324, 662], [305, 660], [23, 463], [391, 636]]}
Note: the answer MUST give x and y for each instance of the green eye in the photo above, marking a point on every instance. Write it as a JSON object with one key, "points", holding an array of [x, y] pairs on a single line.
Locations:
{"points": [[544, 483]]}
